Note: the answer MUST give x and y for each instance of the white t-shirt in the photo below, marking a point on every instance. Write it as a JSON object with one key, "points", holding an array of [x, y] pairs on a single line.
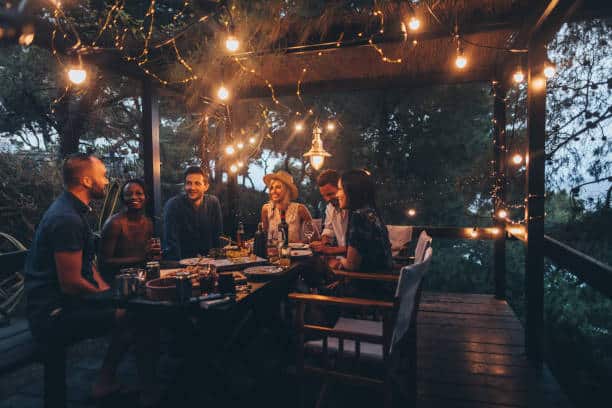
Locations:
{"points": [[336, 222]]}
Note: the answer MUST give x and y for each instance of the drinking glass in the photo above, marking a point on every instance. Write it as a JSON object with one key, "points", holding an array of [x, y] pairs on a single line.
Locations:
{"points": [[309, 231]]}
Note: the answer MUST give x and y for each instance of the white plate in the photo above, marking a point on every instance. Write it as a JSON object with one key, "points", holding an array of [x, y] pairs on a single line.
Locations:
{"points": [[267, 270], [195, 261], [301, 252], [298, 245]]}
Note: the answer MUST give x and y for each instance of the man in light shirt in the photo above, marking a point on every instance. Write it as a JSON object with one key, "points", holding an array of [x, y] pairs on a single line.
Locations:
{"points": [[336, 219]]}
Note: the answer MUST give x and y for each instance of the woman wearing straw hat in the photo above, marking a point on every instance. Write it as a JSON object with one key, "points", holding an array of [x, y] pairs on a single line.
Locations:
{"points": [[283, 192]]}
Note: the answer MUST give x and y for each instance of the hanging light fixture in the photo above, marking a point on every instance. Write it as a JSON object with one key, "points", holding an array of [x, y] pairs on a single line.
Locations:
{"points": [[317, 153]]}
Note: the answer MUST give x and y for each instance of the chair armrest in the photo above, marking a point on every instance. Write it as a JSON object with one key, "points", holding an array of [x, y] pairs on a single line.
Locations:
{"points": [[340, 301], [386, 277], [403, 258]]}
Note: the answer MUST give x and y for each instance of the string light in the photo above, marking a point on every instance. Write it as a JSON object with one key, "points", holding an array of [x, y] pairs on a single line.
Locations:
{"points": [[517, 159], [474, 232], [77, 75], [252, 140], [240, 145], [331, 126], [222, 93], [549, 70], [229, 150], [233, 168], [232, 44], [240, 164], [538, 83], [503, 214], [518, 76], [411, 212], [495, 231], [461, 60], [299, 126], [414, 23]]}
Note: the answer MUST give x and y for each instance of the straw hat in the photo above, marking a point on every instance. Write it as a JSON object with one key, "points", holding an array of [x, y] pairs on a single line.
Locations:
{"points": [[284, 178]]}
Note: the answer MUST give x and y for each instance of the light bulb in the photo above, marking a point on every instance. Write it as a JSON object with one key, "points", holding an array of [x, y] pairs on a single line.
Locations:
{"points": [[240, 145], [229, 150], [240, 164], [26, 39], [414, 23], [502, 213], [549, 70], [232, 44], [299, 126], [252, 140], [77, 75], [474, 233], [517, 159], [411, 212], [223, 93], [331, 126], [233, 168], [518, 76], [538, 83], [316, 161], [495, 231], [460, 61]]}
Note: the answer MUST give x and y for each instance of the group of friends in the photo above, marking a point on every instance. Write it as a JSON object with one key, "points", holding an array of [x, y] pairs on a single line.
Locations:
{"points": [[64, 264]]}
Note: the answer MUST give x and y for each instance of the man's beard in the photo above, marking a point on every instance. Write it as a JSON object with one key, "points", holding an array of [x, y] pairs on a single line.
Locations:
{"points": [[97, 192]]}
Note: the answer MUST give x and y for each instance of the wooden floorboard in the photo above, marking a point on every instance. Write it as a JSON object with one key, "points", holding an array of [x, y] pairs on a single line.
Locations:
{"points": [[471, 355]]}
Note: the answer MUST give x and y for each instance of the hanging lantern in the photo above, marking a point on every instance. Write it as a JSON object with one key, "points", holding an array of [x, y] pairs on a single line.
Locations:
{"points": [[317, 153]]}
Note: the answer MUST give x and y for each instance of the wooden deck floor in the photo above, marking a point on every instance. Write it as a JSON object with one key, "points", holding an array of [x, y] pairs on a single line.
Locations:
{"points": [[470, 354]]}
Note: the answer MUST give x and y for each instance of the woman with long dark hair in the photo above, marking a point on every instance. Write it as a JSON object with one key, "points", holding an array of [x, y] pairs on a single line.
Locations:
{"points": [[367, 238], [126, 236]]}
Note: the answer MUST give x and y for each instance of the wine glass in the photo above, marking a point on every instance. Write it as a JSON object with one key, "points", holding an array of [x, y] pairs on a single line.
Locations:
{"points": [[309, 231]]}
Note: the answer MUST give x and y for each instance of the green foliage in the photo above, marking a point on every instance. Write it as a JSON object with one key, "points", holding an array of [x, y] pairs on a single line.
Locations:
{"points": [[28, 185]]}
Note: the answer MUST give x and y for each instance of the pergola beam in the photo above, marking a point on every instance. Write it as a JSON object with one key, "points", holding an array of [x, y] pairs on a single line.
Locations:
{"points": [[535, 198], [354, 84], [500, 156], [152, 162]]}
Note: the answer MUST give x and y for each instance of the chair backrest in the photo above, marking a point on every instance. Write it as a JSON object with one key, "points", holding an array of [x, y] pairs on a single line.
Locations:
{"points": [[110, 203], [400, 236], [318, 224], [423, 243], [407, 296]]}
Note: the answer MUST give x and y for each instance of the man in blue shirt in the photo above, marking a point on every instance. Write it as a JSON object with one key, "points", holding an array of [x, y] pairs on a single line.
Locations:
{"points": [[192, 220], [59, 272]]}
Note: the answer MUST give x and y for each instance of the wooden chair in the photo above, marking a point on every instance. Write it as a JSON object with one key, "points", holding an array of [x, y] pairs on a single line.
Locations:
{"points": [[11, 278], [422, 244], [400, 236], [391, 343]]}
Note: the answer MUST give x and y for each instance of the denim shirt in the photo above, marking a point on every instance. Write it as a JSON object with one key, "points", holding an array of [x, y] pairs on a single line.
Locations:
{"points": [[189, 231], [63, 228]]}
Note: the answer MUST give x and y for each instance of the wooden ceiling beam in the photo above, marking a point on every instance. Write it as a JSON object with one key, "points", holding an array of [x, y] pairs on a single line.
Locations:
{"points": [[364, 84]]}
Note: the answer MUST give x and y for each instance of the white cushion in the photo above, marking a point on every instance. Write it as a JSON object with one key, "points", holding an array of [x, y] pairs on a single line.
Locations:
{"points": [[367, 350]]}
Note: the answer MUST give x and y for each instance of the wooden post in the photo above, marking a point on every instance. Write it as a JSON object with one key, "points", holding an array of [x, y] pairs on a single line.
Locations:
{"points": [[150, 134], [534, 203], [500, 158]]}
